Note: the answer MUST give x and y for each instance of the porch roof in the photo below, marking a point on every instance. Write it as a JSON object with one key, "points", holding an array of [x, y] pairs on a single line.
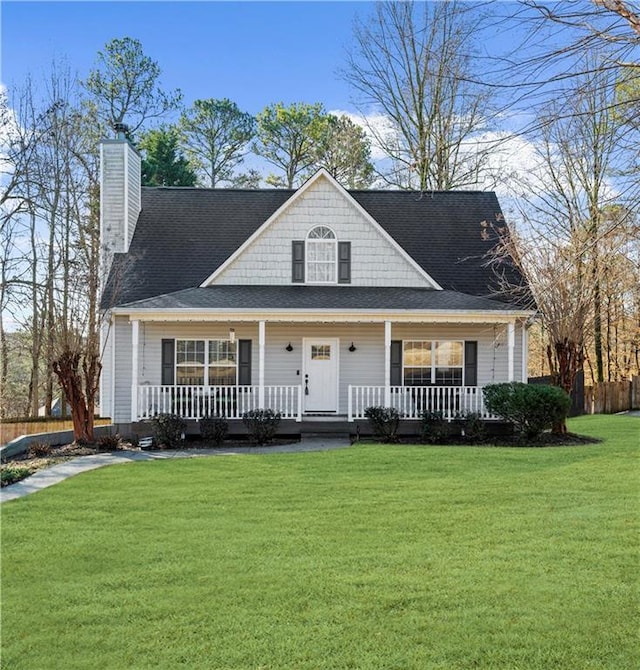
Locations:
{"points": [[278, 298]]}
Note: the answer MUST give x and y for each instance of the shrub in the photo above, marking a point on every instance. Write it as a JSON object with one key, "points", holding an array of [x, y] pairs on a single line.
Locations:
{"points": [[434, 429], [262, 424], [168, 429], [384, 422], [214, 429], [12, 474], [108, 443], [39, 450], [531, 408], [473, 427]]}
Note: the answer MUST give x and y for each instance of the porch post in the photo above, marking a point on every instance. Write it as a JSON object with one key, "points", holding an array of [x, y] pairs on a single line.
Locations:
{"points": [[135, 336], [525, 352], [387, 363], [511, 345], [261, 347]]}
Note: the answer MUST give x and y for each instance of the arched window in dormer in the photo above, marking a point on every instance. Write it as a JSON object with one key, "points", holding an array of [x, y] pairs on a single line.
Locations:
{"points": [[321, 256]]}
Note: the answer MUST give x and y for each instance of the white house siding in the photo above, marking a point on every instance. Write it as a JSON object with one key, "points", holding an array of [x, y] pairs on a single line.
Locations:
{"points": [[122, 368], [133, 191], [106, 376], [374, 260], [119, 197], [112, 197], [365, 366]]}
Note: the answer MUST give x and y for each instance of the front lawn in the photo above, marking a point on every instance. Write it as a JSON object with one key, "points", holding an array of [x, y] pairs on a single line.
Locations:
{"points": [[370, 557]]}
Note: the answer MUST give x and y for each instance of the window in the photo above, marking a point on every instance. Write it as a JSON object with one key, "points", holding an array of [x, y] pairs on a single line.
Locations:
{"points": [[320, 352], [220, 358], [427, 362], [321, 256]]}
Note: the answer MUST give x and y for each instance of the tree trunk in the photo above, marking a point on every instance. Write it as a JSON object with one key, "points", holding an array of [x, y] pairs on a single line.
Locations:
{"points": [[75, 372], [565, 360]]}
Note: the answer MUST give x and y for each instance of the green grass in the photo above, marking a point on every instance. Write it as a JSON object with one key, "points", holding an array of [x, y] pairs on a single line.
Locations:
{"points": [[372, 557]]}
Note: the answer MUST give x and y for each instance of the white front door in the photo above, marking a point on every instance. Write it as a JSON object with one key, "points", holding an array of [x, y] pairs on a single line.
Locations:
{"points": [[320, 382]]}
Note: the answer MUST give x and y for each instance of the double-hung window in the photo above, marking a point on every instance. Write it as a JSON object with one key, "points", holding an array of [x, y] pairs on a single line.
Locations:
{"points": [[431, 362], [206, 362]]}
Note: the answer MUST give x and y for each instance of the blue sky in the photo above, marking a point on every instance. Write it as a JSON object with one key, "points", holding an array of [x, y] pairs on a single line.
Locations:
{"points": [[254, 53]]}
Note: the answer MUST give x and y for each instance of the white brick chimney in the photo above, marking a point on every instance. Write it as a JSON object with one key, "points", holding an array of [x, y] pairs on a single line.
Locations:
{"points": [[119, 196]]}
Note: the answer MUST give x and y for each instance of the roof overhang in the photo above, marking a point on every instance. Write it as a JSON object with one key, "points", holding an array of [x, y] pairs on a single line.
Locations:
{"points": [[323, 316]]}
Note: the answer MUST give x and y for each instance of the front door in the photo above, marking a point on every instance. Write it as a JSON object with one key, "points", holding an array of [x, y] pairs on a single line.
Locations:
{"points": [[320, 383]]}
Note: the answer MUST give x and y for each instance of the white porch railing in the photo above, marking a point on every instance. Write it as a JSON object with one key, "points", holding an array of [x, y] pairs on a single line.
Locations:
{"points": [[411, 401], [194, 402]]}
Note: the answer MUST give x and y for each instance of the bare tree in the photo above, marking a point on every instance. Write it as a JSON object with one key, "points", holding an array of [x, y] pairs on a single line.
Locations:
{"points": [[412, 68]]}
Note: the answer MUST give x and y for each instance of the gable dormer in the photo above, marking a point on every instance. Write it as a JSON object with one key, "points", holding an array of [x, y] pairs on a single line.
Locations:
{"points": [[321, 236]]}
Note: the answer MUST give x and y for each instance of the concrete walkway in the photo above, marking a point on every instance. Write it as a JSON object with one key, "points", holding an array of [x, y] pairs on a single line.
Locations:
{"points": [[50, 476]]}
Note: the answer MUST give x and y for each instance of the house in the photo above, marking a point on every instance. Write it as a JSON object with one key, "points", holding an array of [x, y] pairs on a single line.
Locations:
{"points": [[316, 302]]}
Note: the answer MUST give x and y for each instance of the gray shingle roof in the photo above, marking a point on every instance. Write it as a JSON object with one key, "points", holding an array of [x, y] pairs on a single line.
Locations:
{"points": [[184, 234], [317, 297]]}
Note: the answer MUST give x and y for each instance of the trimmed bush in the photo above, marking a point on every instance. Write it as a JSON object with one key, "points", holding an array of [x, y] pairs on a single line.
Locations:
{"points": [[39, 450], [532, 408], [474, 429], [384, 422], [12, 474], [434, 429], [262, 424], [168, 429], [214, 429]]}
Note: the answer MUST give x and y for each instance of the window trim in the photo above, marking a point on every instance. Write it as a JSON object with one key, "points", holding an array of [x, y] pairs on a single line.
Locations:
{"points": [[434, 366], [206, 364]]}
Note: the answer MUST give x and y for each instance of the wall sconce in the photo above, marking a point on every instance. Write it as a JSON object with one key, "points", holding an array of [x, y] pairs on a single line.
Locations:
{"points": [[232, 334], [352, 347], [289, 347]]}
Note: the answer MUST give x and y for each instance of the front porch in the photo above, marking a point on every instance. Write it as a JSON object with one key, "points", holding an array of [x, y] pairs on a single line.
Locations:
{"points": [[196, 401]]}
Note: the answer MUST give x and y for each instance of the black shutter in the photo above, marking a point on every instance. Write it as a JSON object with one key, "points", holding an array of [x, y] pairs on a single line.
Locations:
{"points": [[297, 261], [244, 362], [344, 262], [168, 362], [470, 364], [396, 362]]}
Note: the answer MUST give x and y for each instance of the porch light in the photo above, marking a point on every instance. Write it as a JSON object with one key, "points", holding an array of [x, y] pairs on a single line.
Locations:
{"points": [[289, 347], [352, 347], [232, 334]]}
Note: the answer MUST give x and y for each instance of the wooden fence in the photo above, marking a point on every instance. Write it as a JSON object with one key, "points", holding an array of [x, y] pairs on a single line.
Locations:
{"points": [[612, 397], [10, 430]]}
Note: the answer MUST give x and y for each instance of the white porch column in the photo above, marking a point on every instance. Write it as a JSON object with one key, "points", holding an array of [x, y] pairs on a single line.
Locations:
{"points": [[525, 352], [135, 337], [387, 363], [511, 346], [261, 348]]}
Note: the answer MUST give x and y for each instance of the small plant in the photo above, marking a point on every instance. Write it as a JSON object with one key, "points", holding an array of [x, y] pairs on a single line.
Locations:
{"points": [[262, 424], [108, 443], [434, 429], [473, 427], [384, 422], [12, 474], [39, 450], [214, 429], [531, 408], [169, 429]]}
